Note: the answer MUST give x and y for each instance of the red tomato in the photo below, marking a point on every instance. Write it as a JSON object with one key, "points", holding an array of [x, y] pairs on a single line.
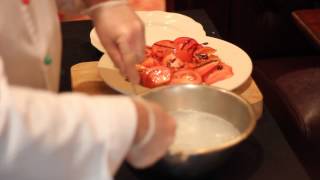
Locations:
{"points": [[190, 65], [162, 48], [206, 68], [185, 48], [185, 43], [184, 55], [156, 76], [205, 54], [172, 61], [186, 77], [150, 62], [184, 59], [147, 51], [143, 72], [222, 72]]}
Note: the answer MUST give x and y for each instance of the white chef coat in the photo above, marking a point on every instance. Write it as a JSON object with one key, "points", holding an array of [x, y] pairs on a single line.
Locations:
{"points": [[45, 135]]}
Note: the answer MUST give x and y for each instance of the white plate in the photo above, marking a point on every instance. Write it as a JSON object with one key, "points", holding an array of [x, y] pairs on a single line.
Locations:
{"points": [[161, 25], [229, 53]]}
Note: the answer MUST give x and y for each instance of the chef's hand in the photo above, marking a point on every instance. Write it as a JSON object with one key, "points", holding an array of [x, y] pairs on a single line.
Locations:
{"points": [[122, 35], [155, 133]]}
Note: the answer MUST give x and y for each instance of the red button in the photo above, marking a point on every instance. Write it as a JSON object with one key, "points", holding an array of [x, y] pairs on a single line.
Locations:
{"points": [[26, 2]]}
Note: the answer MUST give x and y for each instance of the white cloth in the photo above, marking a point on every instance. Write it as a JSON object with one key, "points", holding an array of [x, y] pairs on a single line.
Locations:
{"points": [[45, 135]]}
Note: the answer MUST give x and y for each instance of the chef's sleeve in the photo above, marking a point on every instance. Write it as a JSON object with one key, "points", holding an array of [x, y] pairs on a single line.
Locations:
{"points": [[51, 136]]}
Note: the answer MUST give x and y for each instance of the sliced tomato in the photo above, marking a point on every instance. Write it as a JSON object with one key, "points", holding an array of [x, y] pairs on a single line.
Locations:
{"points": [[147, 51], [190, 65], [172, 61], [221, 72], [162, 48], [185, 48], [205, 54], [143, 72], [186, 77], [185, 43], [205, 51], [156, 76], [182, 39], [150, 62], [204, 69], [184, 55]]}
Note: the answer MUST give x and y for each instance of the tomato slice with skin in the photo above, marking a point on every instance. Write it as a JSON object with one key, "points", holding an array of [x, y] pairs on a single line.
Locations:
{"points": [[186, 77], [205, 50], [185, 43], [186, 56], [143, 72], [190, 65], [205, 54], [221, 72], [185, 48], [156, 76], [172, 61], [147, 51], [150, 62], [181, 61], [162, 48], [206, 68]]}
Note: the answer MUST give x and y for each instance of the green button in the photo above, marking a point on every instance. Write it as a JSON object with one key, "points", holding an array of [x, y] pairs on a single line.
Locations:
{"points": [[47, 60]]}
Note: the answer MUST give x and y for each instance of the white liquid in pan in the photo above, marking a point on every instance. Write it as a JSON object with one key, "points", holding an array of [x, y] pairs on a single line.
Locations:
{"points": [[200, 130]]}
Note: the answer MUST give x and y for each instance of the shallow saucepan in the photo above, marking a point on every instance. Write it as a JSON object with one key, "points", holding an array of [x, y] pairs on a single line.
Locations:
{"points": [[219, 102]]}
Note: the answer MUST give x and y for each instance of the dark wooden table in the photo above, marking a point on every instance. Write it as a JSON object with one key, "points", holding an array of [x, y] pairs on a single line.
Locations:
{"points": [[263, 156], [308, 20]]}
